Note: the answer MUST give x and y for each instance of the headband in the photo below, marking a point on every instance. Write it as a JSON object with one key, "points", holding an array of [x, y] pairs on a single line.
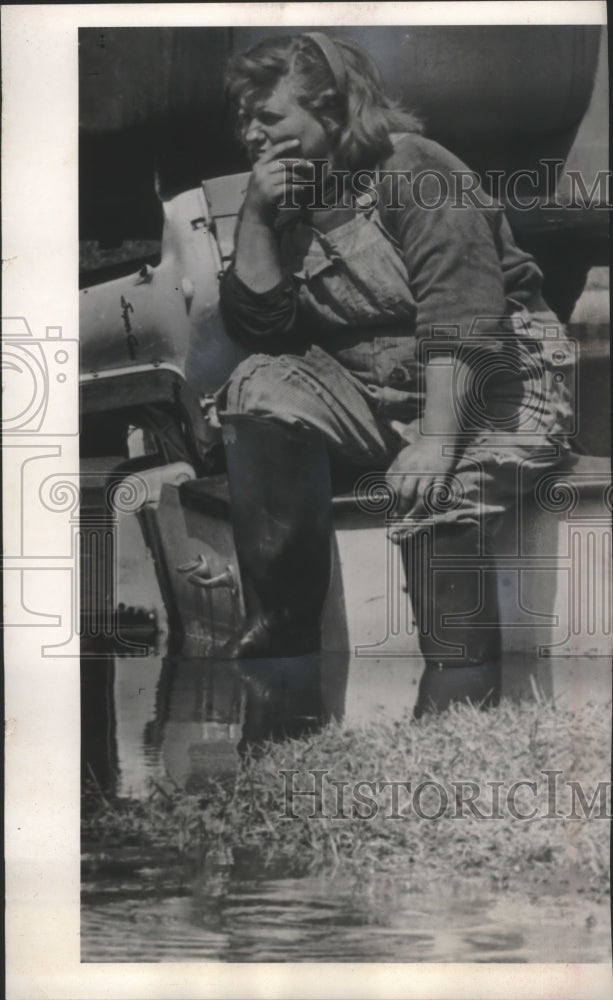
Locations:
{"points": [[332, 56]]}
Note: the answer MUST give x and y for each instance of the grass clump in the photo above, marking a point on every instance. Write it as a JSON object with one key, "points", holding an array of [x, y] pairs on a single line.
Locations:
{"points": [[464, 778]]}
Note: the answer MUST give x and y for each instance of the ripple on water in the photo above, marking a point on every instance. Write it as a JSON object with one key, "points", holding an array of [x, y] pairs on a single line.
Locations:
{"points": [[299, 920]]}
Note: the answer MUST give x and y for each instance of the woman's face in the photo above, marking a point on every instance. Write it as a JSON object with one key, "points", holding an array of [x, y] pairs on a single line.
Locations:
{"points": [[279, 116]]}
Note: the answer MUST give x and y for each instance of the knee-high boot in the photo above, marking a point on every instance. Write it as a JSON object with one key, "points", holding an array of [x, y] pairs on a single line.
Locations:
{"points": [[455, 604], [281, 509]]}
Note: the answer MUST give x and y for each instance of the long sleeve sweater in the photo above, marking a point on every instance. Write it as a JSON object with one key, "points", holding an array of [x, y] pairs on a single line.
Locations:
{"points": [[462, 263]]}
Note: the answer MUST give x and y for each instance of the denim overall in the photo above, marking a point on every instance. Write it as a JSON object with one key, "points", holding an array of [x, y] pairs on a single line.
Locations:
{"points": [[360, 381]]}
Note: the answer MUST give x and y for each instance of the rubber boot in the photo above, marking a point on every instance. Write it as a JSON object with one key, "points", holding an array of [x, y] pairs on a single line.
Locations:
{"points": [[455, 604], [281, 509]]}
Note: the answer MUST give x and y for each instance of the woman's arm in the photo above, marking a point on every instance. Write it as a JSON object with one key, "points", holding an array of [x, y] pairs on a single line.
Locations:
{"points": [[445, 376], [258, 301], [433, 451], [457, 282], [257, 261]]}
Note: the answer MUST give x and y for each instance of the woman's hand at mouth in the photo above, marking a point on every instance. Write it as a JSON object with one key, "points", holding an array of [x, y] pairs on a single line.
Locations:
{"points": [[273, 180]]}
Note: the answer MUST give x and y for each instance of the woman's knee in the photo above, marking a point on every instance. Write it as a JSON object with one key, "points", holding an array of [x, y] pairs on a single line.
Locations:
{"points": [[251, 387]]}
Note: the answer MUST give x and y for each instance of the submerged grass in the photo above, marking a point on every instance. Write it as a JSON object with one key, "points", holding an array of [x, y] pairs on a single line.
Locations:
{"points": [[514, 743]]}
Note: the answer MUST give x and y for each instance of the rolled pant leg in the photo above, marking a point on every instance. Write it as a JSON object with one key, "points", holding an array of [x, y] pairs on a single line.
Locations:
{"points": [[312, 390]]}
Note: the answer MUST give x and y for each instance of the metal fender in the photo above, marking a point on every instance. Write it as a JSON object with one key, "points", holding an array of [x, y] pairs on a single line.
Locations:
{"points": [[167, 316]]}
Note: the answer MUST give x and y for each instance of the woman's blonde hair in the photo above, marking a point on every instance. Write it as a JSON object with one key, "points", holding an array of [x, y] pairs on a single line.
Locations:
{"points": [[358, 106]]}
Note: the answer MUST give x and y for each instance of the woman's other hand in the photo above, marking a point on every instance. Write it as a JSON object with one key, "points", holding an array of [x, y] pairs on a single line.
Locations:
{"points": [[418, 471]]}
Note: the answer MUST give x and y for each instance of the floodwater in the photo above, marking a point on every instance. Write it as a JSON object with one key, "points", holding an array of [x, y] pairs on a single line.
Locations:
{"points": [[180, 718], [176, 717], [228, 915], [185, 718]]}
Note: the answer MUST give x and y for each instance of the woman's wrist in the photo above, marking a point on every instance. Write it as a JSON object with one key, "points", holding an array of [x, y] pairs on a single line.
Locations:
{"points": [[257, 262], [441, 433], [441, 418], [258, 210], [257, 214]]}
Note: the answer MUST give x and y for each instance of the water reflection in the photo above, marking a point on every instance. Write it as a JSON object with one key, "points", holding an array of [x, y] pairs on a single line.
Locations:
{"points": [[189, 718], [99, 749], [183, 717]]}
